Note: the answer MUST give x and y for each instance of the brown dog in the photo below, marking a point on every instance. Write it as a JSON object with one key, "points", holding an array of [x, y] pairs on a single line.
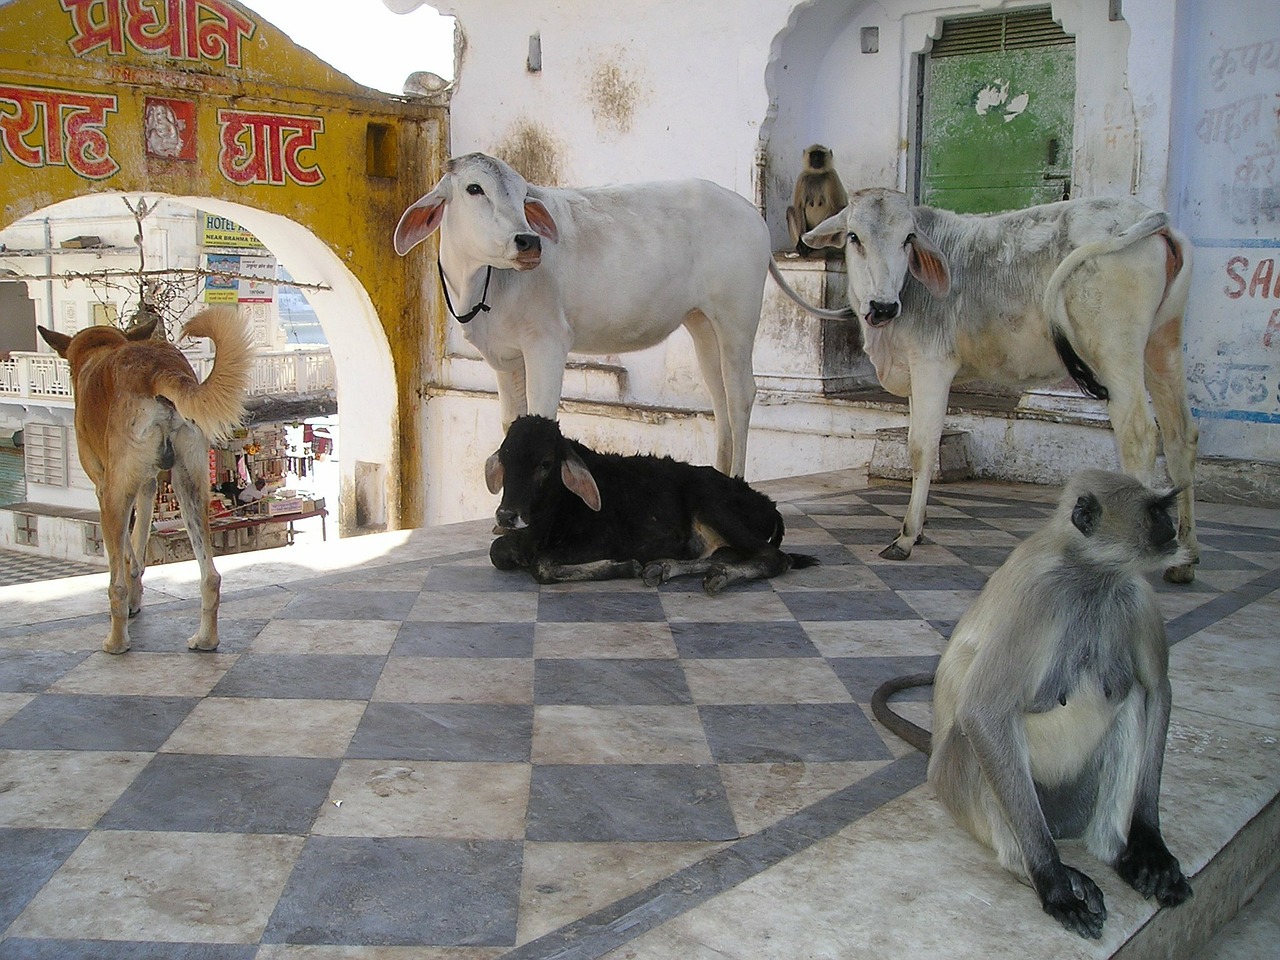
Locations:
{"points": [[139, 410]]}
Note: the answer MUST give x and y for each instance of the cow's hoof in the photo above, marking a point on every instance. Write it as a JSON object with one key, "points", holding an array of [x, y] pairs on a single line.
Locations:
{"points": [[114, 646], [715, 581], [895, 552], [1184, 573], [655, 574], [199, 642]]}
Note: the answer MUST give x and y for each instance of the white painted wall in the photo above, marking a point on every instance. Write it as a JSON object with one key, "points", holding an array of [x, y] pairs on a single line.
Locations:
{"points": [[1226, 194], [734, 91]]}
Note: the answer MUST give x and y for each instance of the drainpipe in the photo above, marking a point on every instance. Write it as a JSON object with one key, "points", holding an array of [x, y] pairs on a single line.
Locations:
{"points": [[48, 272]]}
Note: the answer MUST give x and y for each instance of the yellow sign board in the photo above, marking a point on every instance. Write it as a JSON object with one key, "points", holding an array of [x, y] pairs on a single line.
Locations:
{"points": [[216, 231]]}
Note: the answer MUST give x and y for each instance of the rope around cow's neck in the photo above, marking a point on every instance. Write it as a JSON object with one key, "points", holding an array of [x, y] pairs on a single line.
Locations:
{"points": [[481, 306]]}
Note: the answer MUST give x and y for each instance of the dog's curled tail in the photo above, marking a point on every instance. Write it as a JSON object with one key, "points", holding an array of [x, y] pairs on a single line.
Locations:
{"points": [[216, 406]]}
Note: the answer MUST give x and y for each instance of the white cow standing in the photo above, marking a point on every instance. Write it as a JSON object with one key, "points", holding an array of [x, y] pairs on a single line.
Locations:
{"points": [[622, 267], [1094, 288]]}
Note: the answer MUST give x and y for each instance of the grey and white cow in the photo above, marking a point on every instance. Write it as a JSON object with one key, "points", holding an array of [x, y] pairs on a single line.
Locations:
{"points": [[621, 268], [1092, 288]]}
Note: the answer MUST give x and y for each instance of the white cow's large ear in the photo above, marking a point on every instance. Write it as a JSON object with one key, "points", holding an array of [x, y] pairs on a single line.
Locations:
{"points": [[831, 232], [420, 221], [539, 217], [928, 264], [578, 479], [493, 474]]}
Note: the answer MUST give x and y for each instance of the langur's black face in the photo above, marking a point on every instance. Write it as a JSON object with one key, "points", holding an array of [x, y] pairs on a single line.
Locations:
{"points": [[1164, 533], [1120, 512], [817, 159]]}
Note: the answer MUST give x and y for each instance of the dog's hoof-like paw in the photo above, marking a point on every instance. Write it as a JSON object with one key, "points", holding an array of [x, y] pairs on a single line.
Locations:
{"points": [[655, 574]]}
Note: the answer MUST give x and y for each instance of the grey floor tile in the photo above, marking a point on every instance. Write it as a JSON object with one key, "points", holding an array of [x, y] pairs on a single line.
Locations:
{"points": [[430, 731], [218, 794], [698, 641], [787, 733], [28, 858], [32, 671], [612, 681], [337, 604], [422, 639], [584, 803], [402, 890], [58, 722], [599, 606], [847, 605], [302, 676]]}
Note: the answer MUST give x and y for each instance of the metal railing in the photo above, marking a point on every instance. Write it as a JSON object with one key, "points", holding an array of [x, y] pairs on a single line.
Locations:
{"points": [[46, 378]]}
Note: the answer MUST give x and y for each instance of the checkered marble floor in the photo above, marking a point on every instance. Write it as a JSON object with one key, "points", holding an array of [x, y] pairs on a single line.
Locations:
{"points": [[19, 566], [411, 749]]}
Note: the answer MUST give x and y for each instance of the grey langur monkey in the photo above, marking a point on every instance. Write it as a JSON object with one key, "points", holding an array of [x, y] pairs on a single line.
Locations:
{"points": [[819, 194], [1051, 701]]}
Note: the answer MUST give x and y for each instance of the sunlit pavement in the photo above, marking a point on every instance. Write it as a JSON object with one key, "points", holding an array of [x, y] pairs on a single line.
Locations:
{"points": [[399, 751]]}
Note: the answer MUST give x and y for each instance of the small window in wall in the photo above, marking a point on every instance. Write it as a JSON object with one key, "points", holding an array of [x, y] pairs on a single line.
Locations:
{"points": [[104, 313], [46, 453], [93, 540], [25, 530], [380, 150]]}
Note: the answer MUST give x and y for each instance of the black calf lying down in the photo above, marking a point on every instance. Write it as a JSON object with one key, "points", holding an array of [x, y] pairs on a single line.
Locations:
{"points": [[570, 513]]}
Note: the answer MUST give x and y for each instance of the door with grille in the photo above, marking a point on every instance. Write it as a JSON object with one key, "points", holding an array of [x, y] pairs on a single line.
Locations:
{"points": [[996, 113]]}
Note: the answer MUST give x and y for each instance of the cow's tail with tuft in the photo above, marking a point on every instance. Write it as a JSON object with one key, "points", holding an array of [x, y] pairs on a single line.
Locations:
{"points": [[1054, 305], [216, 406], [797, 561]]}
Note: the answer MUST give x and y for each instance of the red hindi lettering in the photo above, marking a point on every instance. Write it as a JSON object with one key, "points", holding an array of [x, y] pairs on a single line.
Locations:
{"points": [[93, 31], [217, 38], [146, 31], [71, 126], [263, 147]]}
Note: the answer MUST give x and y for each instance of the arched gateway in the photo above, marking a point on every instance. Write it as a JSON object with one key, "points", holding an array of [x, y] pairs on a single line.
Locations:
{"points": [[204, 102]]}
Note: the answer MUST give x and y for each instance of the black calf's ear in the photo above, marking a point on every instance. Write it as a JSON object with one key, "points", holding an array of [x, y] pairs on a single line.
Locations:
{"points": [[493, 475], [1084, 516], [578, 479]]}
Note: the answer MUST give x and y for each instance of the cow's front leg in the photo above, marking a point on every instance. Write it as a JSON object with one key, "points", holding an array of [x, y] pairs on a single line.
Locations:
{"points": [[544, 361], [930, 385], [546, 569], [511, 394]]}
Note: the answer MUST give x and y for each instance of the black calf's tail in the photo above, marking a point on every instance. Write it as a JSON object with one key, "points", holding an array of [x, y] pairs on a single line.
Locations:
{"points": [[917, 736], [1080, 371], [801, 560]]}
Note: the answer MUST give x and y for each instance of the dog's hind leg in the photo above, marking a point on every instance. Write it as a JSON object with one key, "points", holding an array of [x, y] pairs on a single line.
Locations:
{"points": [[114, 509], [143, 505], [191, 484]]}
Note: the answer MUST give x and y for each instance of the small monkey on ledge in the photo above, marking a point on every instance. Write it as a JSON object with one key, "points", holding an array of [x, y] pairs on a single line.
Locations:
{"points": [[818, 195]]}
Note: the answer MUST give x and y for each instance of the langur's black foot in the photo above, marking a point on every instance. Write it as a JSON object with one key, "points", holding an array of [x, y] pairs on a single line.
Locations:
{"points": [[1147, 865], [1075, 901]]}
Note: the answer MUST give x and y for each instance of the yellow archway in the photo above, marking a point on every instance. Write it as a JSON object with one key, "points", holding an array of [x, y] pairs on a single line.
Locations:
{"points": [[203, 101]]}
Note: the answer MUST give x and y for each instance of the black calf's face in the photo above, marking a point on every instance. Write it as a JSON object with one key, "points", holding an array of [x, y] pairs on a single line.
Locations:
{"points": [[533, 465], [527, 461]]}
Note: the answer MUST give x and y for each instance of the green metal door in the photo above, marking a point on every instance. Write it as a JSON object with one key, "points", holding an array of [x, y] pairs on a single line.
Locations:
{"points": [[997, 113]]}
